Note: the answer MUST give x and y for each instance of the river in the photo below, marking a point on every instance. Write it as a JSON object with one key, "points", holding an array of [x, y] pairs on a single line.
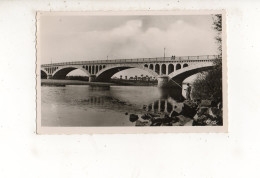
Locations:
{"points": [[82, 105]]}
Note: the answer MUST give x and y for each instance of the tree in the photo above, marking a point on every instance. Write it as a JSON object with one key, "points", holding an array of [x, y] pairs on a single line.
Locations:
{"points": [[208, 85]]}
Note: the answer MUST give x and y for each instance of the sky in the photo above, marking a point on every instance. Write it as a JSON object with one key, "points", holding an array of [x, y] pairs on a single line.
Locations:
{"points": [[84, 38]]}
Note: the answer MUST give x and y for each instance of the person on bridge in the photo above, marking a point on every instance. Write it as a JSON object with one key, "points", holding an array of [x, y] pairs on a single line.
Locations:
{"points": [[188, 91], [173, 57]]}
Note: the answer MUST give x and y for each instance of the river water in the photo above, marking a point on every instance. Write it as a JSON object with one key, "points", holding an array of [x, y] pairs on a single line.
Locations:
{"points": [[83, 105]]}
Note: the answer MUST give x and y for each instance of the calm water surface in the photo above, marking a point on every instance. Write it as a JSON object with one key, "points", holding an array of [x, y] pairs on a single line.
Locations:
{"points": [[75, 105]]}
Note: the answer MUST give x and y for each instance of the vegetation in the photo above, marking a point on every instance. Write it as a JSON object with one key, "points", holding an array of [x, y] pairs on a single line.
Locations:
{"points": [[134, 82], [208, 85], [81, 78]]}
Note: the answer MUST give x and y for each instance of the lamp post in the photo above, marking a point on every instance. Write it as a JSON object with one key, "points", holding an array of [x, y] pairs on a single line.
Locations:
{"points": [[164, 53]]}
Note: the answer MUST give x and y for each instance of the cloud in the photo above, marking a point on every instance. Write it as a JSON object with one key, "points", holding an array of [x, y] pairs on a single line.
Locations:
{"points": [[132, 38]]}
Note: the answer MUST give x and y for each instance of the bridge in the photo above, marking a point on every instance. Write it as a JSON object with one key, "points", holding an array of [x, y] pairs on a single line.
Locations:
{"points": [[168, 70]]}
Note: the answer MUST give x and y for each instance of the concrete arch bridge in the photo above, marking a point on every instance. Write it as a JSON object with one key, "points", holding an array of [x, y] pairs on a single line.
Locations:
{"points": [[165, 69]]}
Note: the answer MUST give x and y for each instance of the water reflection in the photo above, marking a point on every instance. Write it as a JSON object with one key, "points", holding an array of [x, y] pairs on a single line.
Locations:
{"points": [[104, 106], [173, 93]]}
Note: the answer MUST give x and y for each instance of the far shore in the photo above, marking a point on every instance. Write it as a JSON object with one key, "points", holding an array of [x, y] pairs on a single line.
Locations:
{"points": [[54, 82]]}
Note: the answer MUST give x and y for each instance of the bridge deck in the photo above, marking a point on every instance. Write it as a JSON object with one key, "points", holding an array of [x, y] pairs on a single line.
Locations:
{"points": [[140, 60]]}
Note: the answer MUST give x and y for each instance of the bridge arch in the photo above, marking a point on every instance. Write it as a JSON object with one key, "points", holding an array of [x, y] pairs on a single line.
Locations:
{"points": [[163, 69], [92, 69], [185, 65], [170, 68], [180, 75], [106, 73], [157, 68], [61, 72], [151, 66], [178, 66], [44, 74]]}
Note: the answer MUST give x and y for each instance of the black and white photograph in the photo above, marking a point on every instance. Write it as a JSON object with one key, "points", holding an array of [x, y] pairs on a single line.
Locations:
{"points": [[145, 70], [132, 89]]}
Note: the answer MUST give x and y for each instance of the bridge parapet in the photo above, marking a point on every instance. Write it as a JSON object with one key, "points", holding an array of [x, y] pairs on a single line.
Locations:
{"points": [[205, 58]]}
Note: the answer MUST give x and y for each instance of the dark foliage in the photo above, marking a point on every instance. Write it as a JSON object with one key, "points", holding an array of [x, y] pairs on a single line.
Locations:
{"points": [[208, 85]]}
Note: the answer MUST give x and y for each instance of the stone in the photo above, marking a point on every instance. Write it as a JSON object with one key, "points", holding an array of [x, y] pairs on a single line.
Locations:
{"points": [[167, 124], [189, 123], [215, 112], [175, 119], [203, 120], [153, 115], [183, 120], [146, 117], [202, 111], [174, 113], [133, 117], [219, 105], [156, 124], [205, 103], [189, 109], [142, 123]]}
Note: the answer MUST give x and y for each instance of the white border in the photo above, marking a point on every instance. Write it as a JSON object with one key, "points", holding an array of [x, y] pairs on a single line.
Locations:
{"points": [[127, 130]]}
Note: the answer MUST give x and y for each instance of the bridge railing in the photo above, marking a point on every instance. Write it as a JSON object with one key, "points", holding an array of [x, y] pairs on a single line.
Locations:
{"points": [[137, 60]]}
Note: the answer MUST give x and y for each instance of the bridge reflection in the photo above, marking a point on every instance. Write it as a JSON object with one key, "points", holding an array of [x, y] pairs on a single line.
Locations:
{"points": [[168, 100]]}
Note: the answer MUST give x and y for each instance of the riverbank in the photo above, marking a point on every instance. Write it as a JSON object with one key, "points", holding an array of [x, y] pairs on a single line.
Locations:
{"points": [[53, 82], [123, 82], [192, 113]]}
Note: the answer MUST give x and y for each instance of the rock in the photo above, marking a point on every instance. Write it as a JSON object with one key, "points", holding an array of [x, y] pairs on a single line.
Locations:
{"points": [[208, 121], [167, 119], [146, 117], [189, 123], [157, 120], [202, 110], [214, 112], [219, 105], [175, 119], [156, 124], [142, 123], [174, 113], [152, 115], [189, 109], [201, 120], [167, 124], [183, 120], [126, 113], [205, 103], [133, 117], [196, 117]]}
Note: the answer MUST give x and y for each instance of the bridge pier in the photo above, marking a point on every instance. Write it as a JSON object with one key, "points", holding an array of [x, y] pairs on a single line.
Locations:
{"points": [[163, 81], [49, 76], [92, 78]]}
